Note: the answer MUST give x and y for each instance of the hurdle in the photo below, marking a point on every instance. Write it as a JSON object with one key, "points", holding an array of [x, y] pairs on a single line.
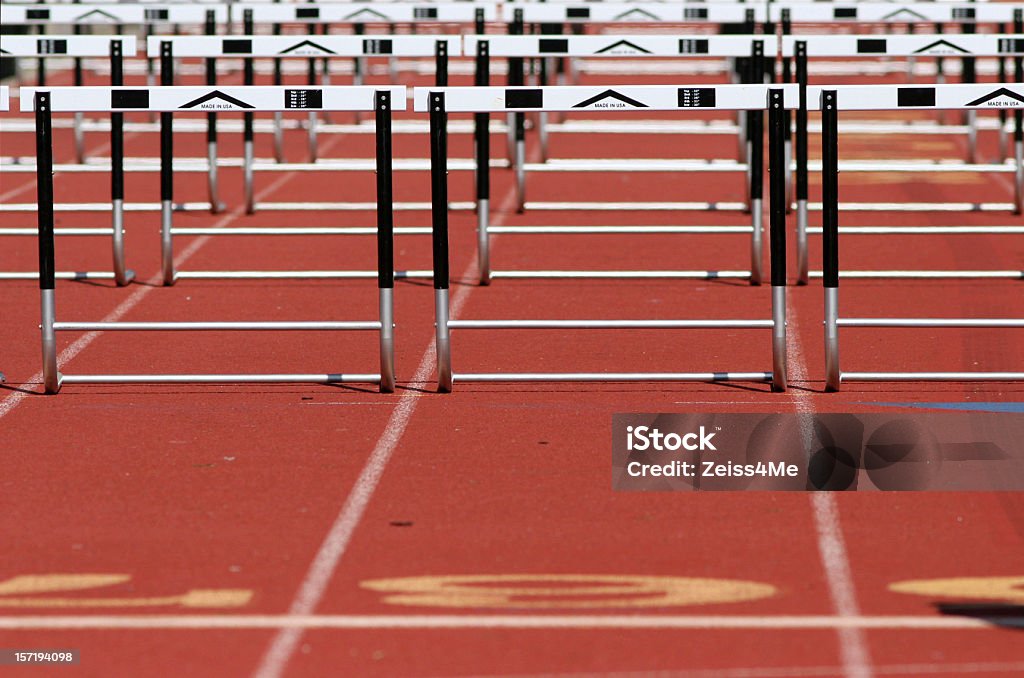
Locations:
{"points": [[250, 47], [89, 46], [166, 100], [730, 47], [922, 45], [441, 102], [833, 99]]}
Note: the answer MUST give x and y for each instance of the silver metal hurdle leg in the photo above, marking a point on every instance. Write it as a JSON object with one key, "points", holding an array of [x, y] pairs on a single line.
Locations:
{"points": [[511, 135], [312, 136], [542, 134], [248, 179], [79, 138], [387, 340], [393, 68], [756, 237], [443, 341], [167, 241], [1003, 140], [122, 275], [278, 137], [51, 377], [972, 136], [216, 206], [483, 239], [520, 160], [801, 241], [832, 373], [779, 338]]}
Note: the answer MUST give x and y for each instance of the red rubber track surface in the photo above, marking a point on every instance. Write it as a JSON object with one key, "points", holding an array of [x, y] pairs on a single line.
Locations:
{"points": [[301, 495]]}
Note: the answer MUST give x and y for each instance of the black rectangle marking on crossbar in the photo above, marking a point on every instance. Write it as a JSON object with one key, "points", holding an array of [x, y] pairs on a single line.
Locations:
{"points": [[690, 46], [37, 14], [696, 97], [375, 46], [963, 13], [577, 12], [424, 12], [871, 46], [693, 13], [524, 98], [129, 98], [844, 13], [236, 47], [1011, 45], [157, 14], [307, 12], [915, 96], [51, 46], [303, 98], [554, 46]]}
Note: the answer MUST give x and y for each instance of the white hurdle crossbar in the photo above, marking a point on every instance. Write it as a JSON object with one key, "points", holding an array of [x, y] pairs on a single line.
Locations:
{"points": [[439, 102], [831, 100], [166, 100], [249, 47]]}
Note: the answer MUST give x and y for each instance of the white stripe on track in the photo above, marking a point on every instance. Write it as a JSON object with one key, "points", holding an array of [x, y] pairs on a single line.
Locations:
{"points": [[315, 583], [67, 355], [835, 560]]}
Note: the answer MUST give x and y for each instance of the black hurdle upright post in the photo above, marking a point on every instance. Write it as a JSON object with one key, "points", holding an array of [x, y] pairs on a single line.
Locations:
{"points": [[787, 63], [439, 223], [479, 25], [78, 78], [166, 168], [970, 117], [441, 63], [516, 121], [755, 128], [801, 163], [385, 240], [248, 79], [482, 139], [830, 233], [211, 122], [787, 77], [359, 68], [122, 275], [778, 201], [41, 61], [1018, 121], [311, 81], [278, 116], [44, 212], [1003, 116]]}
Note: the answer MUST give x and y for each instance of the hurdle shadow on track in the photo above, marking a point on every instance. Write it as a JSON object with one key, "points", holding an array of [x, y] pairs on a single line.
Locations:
{"points": [[1002, 615]]}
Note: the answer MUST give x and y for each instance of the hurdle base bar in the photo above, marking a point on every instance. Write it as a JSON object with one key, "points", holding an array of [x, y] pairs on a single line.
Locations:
{"points": [[919, 206], [356, 206], [614, 229], [216, 326], [329, 378], [612, 376], [640, 275], [637, 206], [297, 275], [105, 207], [928, 275], [931, 376], [608, 324], [67, 275], [299, 230]]}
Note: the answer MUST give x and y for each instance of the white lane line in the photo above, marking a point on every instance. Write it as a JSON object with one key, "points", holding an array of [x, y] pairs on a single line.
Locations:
{"points": [[835, 560], [337, 540], [67, 355], [300, 623], [1002, 668]]}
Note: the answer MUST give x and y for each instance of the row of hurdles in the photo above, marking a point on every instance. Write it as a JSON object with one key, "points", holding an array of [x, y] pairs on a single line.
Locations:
{"points": [[774, 100], [755, 49]]}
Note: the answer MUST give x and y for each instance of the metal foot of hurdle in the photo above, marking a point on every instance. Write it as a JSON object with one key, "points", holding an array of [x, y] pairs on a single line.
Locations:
{"points": [[887, 97], [497, 99], [165, 100]]}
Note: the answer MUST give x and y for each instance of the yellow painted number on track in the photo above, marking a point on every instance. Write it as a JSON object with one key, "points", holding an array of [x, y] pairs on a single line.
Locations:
{"points": [[1005, 589], [565, 591], [29, 591]]}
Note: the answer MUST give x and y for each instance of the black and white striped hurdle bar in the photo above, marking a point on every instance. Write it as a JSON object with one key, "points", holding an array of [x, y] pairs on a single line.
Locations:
{"points": [[531, 46], [281, 47], [938, 45], [167, 100], [367, 13], [893, 12], [640, 12], [440, 102], [109, 14], [832, 100]]}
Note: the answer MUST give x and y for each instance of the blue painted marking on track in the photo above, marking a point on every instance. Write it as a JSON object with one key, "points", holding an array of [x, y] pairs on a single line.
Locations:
{"points": [[962, 407]]}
